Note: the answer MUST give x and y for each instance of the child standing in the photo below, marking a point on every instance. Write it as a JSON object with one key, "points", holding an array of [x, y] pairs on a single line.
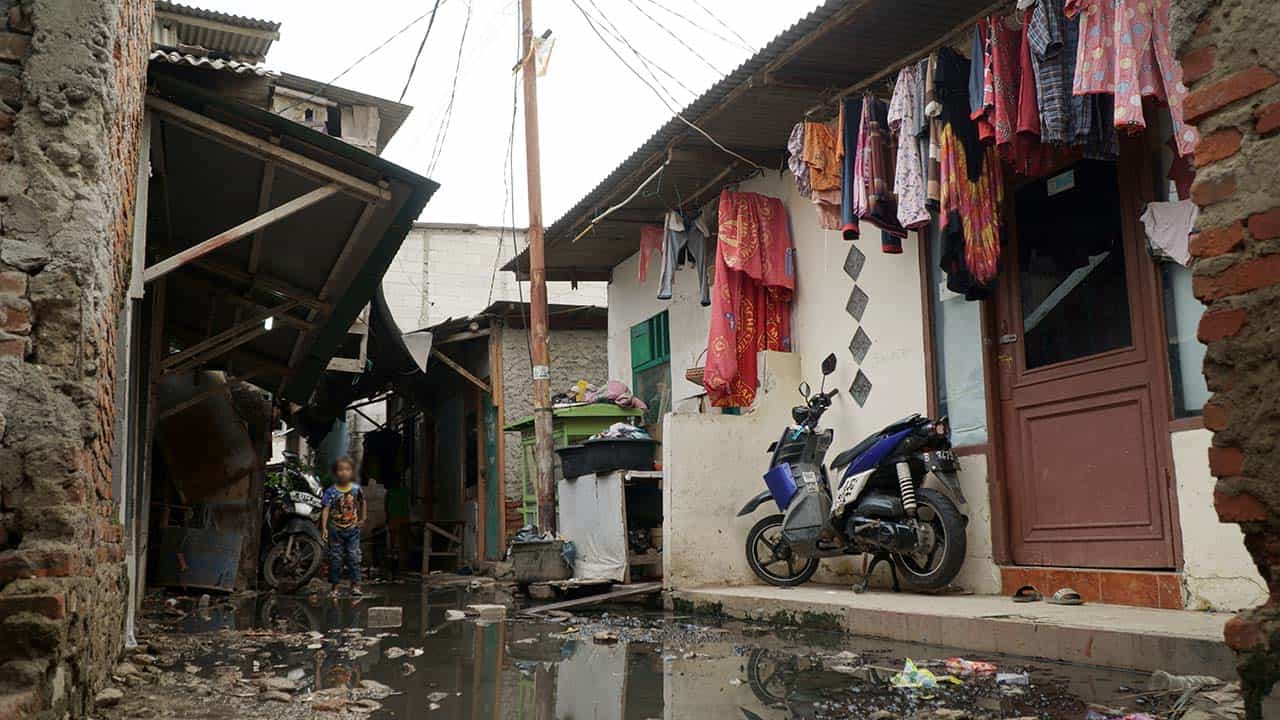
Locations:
{"points": [[344, 512]]}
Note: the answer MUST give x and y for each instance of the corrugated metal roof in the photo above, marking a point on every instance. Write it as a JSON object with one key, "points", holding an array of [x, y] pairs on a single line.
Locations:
{"points": [[232, 66], [195, 12], [751, 110]]}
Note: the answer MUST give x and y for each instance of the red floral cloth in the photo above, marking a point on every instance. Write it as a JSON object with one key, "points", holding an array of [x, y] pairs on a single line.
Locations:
{"points": [[751, 300]]}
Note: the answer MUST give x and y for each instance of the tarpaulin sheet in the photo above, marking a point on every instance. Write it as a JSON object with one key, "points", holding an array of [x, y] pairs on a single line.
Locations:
{"points": [[591, 516]]}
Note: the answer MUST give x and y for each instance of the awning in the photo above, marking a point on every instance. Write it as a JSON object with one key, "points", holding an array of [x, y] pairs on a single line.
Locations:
{"points": [[252, 216], [842, 45]]}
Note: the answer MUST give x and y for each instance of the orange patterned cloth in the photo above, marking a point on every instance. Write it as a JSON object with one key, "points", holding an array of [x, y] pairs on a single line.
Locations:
{"points": [[751, 300], [822, 156], [976, 205]]}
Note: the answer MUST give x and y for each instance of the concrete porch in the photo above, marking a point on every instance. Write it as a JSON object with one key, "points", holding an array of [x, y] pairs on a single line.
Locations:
{"points": [[1144, 639]]}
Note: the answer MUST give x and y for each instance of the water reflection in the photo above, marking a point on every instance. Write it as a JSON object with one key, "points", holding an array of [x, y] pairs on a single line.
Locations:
{"points": [[661, 667]]}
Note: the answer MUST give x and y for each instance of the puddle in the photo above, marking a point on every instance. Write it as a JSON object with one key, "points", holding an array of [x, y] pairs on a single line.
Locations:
{"points": [[660, 666]]}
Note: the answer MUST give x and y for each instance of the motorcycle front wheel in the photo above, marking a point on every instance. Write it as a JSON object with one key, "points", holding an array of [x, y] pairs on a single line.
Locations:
{"points": [[936, 567], [772, 560], [289, 568]]}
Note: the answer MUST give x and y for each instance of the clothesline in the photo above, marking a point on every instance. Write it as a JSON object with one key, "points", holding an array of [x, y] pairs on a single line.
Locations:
{"points": [[962, 29]]}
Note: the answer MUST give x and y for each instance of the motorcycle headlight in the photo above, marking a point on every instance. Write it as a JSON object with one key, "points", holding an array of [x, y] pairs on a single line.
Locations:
{"points": [[941, 429]]}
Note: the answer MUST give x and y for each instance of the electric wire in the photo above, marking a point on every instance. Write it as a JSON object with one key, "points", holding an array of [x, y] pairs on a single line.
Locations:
{"points": [[508, 197], [353, 65], [437, 148], [648, 64], [430, 23], [676, 112], [724, 25], [742, 43], [675, 37]]}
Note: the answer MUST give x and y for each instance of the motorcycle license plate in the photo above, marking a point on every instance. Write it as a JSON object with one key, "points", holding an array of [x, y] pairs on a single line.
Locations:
{"points": [[946, 461]]}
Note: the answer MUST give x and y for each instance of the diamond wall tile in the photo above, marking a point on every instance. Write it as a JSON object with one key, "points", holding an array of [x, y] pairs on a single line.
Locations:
{"points": [[860, 345], [857, 304], [860, 389], [854, 261]]}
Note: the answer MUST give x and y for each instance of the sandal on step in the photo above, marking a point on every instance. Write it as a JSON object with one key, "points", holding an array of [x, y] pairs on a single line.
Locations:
{"points": [[1026, 594], [1066, 596]]}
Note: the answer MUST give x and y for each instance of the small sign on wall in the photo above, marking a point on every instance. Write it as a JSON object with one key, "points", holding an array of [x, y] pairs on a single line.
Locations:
{"points": [[1061, 182]]}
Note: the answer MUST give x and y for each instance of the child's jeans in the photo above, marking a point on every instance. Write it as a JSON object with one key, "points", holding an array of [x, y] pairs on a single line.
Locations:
{"points": [[344, 549]]}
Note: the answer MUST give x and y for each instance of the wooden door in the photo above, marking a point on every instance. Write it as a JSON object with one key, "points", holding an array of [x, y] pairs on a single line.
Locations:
{"points": [[1081, 410]]}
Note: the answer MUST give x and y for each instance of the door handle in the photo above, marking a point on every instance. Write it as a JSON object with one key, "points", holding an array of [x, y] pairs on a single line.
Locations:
{"points": [[1008, 339]]}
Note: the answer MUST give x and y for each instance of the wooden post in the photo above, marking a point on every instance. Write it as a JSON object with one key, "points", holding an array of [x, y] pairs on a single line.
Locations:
{"points": [[544, 445], [155, 351], [496, 333]]}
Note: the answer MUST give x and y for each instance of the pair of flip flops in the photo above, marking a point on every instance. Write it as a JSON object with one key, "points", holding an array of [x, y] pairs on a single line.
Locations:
{"points": [[1064, 596]]}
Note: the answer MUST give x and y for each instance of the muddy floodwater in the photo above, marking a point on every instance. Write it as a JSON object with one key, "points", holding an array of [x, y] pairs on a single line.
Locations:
{"points": [[312, 656]]}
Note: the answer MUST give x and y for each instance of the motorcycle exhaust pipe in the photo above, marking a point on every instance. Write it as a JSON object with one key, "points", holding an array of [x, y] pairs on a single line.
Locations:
{"points": [[907, 488]]}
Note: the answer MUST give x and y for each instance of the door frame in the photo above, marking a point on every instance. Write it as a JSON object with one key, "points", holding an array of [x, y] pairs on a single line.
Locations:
{"points": [[1134, 177]]}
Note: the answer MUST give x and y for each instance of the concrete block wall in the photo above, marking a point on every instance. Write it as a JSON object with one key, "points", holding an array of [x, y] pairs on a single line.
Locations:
{"points": [[1230, 50], [72, 76]]}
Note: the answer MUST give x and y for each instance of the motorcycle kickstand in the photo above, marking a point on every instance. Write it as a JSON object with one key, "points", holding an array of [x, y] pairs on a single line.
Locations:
{"points": [[879, 557]]}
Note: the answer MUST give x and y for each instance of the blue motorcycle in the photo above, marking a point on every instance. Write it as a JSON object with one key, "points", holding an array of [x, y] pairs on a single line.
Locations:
{"points": [[898, 501]]}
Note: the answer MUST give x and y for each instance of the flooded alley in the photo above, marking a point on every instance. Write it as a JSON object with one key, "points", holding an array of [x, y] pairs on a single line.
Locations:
{"points": [[277, 656]]}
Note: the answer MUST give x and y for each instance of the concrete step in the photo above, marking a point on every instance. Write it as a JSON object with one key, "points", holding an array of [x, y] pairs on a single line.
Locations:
{"points": [[1177, 641]]}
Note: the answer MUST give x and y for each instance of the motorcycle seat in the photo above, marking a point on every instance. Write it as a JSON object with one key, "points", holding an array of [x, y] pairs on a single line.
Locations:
{"points": [[848, 456]]}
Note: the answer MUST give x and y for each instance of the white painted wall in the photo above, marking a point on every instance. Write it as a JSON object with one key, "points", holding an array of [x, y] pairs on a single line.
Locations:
{"points": [[402, 284], [1217, 572]]}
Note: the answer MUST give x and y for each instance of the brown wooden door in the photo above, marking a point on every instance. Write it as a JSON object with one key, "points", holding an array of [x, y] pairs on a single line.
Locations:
{"points": [[1081, 410]]}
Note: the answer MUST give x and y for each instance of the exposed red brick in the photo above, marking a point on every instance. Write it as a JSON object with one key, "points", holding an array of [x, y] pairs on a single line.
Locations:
{"points": [[1216, 241], [1242, 277], [1234, 87], [14, 46], [15, 564], [50, 606], [1265, 225], [13, 347], [1225, 462], [6, 122], [1218, 146], [1239, 508], [1267, 118], [15, 315], [1207, 191], [13, 282], [1197, 63], [1216, 414], [1219, 324], [1242, 634], [1203, 28]]}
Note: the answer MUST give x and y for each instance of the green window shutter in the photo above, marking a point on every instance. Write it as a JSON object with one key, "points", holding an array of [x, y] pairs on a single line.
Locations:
{"points": [[650, 342], [641, 344]]}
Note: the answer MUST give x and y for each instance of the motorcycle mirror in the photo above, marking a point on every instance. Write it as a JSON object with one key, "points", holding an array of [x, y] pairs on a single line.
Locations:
{"points": [[829, 364], [804, 390]]}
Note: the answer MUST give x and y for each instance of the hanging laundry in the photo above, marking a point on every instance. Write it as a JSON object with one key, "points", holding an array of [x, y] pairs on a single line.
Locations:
{"points": [[979, 76], [1032, 157], [850, 126], [932, 111], [650, 244], [921, 128], [1053, 38], [1000, 95], [795, 161], [821, 154], [685, 234], [881, 207], [952, 91], [908, 183], [1125, 52], [1169, 226], [751, 303], [971, 209]]}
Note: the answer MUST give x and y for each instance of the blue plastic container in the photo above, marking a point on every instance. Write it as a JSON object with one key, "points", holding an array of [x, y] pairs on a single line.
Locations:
{"points": [[782, 484]]}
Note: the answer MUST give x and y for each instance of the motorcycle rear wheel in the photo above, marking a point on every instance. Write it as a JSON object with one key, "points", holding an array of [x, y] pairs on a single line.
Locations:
{"points": [[288, 574], [770, 558], [941, 565]]}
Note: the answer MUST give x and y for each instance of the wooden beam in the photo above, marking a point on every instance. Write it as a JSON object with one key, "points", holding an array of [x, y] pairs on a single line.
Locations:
{"points": [[264, 204], [498, 397], [621, 592], [266, 283], [227, 237], [227, 338], [264, 149], [459, 369], [195, 399], [245, 303], [261, 364]]}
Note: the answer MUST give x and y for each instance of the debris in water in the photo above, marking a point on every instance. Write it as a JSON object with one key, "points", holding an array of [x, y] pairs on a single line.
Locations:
{"points": [[1021, 678], [604, 637], [454, 615], [386, 617]]}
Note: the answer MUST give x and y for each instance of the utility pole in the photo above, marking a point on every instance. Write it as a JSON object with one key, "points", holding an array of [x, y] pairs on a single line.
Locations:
{"points": [[542, 419]]}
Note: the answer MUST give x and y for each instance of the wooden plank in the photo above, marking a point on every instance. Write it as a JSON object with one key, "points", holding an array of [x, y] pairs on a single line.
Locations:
{"points": [[245, 228], [497, 378], [253, 145], [460, 370], [437, 529], [621, 592], [264, 204], [253, 322], [195, 399], [459, 337], [265, 283]]}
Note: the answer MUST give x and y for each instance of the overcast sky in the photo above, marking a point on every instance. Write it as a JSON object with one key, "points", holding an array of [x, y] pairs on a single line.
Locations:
{"points": [[593, 111]]}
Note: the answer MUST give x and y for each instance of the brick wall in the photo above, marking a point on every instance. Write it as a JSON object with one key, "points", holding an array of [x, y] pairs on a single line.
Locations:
{"points": [[72, 75], [1231, 54]]}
